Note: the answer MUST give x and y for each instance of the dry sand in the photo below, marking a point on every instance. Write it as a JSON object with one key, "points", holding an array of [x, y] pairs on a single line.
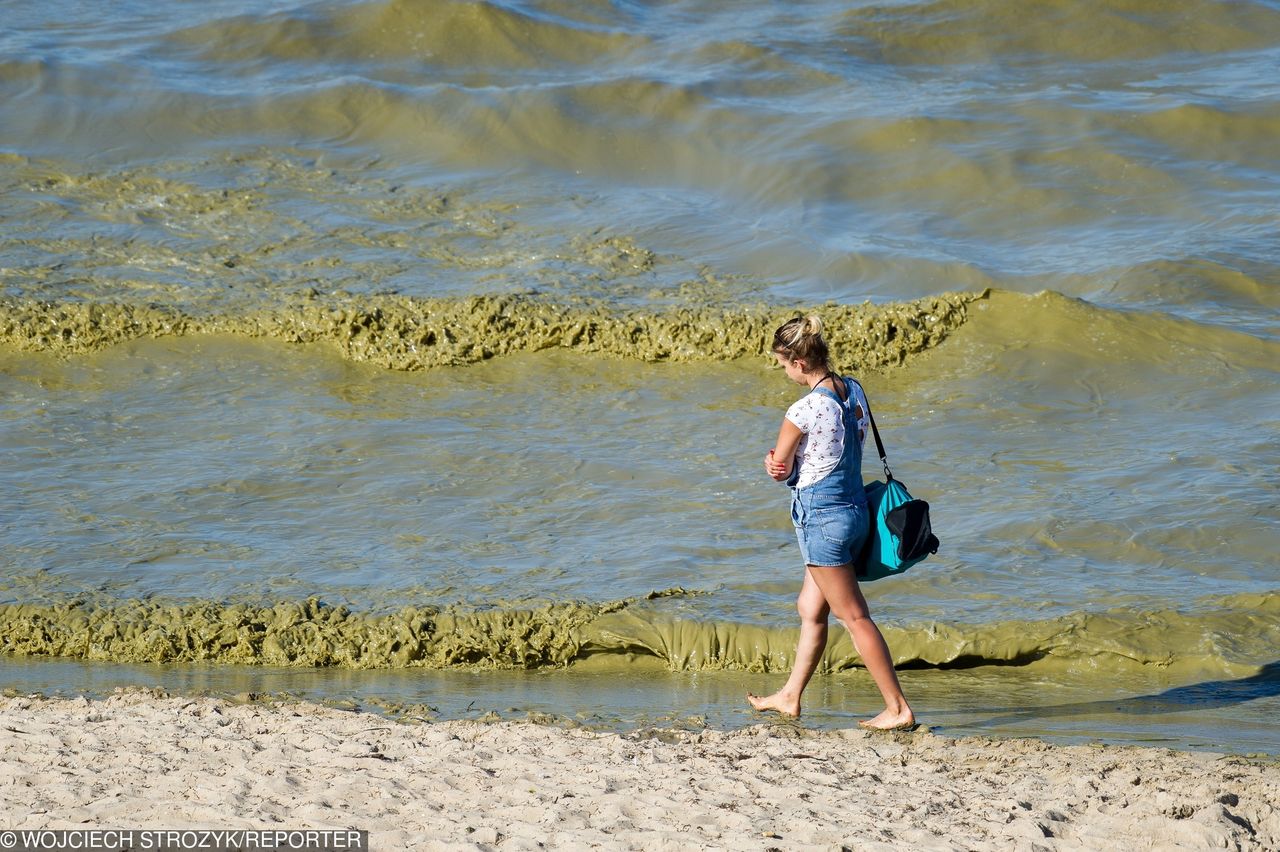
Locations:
{"points": [[136, 760]]}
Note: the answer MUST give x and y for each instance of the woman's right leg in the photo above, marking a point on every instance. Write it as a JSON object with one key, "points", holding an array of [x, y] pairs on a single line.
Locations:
{"points": [[813, 610]]}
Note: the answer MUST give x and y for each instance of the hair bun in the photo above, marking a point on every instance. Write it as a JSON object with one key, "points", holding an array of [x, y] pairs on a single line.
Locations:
{"points": [[801, 338]]}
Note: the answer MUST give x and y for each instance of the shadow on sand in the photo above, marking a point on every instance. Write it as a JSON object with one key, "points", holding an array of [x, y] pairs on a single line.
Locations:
{"points": [[1192, 697]]}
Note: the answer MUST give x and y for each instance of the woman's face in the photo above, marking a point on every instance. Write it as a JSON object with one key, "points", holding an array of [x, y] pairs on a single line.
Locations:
{"points": [[794, 369]]}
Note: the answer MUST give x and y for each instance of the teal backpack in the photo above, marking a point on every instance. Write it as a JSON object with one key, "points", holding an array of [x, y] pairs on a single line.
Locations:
{"points": [[900, 532]]}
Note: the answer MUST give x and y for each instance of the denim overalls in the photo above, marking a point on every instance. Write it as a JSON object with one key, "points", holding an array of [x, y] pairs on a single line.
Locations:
{"points": [[830, 516]]}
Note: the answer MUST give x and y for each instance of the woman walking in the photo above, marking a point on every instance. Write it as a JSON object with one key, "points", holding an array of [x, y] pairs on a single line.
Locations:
{"points": [[819, 454]]}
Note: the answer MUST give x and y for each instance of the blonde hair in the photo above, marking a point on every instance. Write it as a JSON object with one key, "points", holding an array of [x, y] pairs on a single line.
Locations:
{"points": [[801, 338]]}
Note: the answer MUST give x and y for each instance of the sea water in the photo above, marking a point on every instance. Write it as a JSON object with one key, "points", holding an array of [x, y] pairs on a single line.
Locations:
{"points": [[415, 352]]}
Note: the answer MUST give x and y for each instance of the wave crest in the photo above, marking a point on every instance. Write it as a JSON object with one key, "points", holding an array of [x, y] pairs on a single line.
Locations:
{"points": [[407, 333], [310, 634]]}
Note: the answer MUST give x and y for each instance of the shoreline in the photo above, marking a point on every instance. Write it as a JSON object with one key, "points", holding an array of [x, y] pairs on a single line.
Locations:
{"points": [[137, 759]]}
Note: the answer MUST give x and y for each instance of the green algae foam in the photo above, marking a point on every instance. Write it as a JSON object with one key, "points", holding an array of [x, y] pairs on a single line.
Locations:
{"points": [[406, 333]]}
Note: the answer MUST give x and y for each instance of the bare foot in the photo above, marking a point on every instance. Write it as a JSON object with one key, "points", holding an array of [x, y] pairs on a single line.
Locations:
{"points": [[777, 702], [891, 720]]}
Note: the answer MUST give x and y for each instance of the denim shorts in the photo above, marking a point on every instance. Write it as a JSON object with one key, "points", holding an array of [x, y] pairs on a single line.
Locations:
{"points": [[830, 534]]}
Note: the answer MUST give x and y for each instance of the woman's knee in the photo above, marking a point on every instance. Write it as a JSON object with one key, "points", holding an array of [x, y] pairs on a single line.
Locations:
{"points": [[852, 613], [813, 611]]}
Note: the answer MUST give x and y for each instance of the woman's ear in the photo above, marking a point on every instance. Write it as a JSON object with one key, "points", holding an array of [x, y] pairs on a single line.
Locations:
{"points": [[801, 365]]}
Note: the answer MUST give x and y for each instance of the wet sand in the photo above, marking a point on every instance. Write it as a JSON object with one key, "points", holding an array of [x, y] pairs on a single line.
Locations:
{"points": [[138, 760]]}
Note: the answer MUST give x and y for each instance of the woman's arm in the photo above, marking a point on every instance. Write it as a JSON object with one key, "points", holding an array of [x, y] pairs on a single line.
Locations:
{"points": [[778, 461]]}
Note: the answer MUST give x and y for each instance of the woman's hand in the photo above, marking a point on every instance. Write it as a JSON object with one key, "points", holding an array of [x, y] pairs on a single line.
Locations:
{"points": [[779, 460], [776, 469]]}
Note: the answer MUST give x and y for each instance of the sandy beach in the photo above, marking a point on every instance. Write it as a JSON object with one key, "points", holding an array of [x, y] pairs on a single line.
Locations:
{"points": [[138, 760]]}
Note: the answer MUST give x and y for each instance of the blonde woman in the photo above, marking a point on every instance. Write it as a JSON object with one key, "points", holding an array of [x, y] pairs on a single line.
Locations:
{"points": [[819, 454]]}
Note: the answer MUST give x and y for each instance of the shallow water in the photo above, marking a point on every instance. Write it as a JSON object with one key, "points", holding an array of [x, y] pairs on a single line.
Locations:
{"points": [[450, 316], [1224, 716]]}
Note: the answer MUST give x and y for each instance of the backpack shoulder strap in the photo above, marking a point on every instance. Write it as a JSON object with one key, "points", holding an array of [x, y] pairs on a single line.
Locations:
{"points": [[884, 459]]}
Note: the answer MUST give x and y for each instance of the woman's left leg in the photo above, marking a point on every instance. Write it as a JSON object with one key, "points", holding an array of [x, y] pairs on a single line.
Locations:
{"points": [[813, 610]]}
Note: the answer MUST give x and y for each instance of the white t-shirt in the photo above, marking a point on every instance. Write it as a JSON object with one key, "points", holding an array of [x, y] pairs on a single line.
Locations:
{"points": [[818, 417]]}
